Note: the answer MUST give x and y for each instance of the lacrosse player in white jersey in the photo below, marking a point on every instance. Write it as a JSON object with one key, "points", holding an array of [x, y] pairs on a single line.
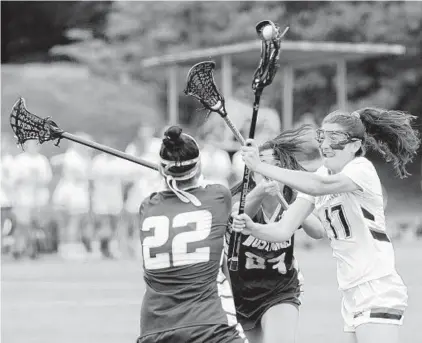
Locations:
{"points": [[346, 194]]}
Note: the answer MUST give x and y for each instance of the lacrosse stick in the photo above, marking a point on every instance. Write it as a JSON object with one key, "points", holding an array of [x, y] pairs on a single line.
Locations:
{"points": [[28, 126], [264, 75], [201, 85]]}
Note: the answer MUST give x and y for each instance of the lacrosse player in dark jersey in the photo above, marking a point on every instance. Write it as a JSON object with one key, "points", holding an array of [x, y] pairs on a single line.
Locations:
{"points": [[187, 298], [268, 285]]}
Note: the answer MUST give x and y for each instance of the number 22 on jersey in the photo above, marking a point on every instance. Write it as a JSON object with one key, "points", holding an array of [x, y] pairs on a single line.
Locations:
{"points": [[179, 246]]}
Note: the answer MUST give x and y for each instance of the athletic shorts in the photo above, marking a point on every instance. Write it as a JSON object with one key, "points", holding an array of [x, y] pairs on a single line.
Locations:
{"points": [[198, 334], [377, 301], [250, 323], [251, 309]]}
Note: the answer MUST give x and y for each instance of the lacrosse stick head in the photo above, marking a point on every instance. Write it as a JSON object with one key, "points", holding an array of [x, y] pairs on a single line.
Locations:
{"points": [[28, 126], [270, 53], [201, 85]]}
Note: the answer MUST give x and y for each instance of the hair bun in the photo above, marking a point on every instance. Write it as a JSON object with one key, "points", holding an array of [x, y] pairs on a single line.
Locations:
{"points": [[172, 137]]}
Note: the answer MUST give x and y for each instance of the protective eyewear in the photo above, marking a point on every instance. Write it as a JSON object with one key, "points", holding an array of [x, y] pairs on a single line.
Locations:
{"points": [[334, 137]]}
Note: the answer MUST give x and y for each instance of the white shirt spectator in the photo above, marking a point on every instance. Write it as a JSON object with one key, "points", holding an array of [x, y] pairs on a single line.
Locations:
{"points": [[216, 164], [72, 191], [31, 173], [108, 175], [145, 180], [6, 189]]}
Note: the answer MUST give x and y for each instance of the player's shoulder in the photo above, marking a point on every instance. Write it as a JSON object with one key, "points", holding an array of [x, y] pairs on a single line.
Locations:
{"points": [[212, 194], [212, 188], [362, 161], [149, 202], [362, 164]]}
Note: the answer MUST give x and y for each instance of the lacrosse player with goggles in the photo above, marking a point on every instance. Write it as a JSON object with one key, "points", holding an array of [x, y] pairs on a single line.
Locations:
{"points": [[268, 284], [346, 194], [187, 298]]}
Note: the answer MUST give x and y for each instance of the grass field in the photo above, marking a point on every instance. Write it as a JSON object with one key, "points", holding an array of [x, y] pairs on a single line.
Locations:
{"points": [[49, 300]]}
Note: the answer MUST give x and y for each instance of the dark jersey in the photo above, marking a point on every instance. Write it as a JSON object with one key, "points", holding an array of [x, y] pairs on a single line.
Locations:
{"points": [[182, 249], [267, 273]]}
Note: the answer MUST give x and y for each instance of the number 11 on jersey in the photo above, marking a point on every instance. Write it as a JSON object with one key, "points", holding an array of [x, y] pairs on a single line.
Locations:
{"points": [[338, 222]]}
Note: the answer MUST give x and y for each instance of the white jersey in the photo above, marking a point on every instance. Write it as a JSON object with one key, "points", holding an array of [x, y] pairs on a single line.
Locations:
{"points": [[355, 225]]}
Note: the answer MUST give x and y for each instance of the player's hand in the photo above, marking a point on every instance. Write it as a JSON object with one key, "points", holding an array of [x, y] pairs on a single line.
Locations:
{"points": [[250, 154], [269, 187], [242, 223]]}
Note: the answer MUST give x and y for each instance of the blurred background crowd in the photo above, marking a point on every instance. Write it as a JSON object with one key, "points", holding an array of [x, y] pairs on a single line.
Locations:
{"points": [[79, 62], [82, 203]]}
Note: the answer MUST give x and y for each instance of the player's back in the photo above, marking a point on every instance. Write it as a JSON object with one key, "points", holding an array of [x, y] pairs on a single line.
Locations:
{"points": [[182, 252]]}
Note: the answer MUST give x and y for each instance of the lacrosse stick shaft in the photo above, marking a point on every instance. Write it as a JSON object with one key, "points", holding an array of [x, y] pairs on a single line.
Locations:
{"points": [[246, 172], [234, 260], [109, 150], [234, 129], [283, 201]]}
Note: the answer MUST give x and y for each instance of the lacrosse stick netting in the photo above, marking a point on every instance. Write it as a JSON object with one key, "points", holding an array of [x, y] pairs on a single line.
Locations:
{"points": [[270, 53], [27, 126], [201, 85]]}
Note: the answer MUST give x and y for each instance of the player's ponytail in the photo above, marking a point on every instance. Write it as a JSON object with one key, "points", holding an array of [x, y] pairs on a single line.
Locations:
{"points": [[179, 148], [391, 134], [179, 162], [172, 140]]}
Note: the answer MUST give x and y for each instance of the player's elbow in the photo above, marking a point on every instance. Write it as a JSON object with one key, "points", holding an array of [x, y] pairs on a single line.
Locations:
{"points": [[272, 233], [315, 232], [282, 234], [279, 237], [319, 234], [316, 187]]}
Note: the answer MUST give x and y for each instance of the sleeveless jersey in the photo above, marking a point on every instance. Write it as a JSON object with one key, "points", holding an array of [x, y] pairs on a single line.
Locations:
{"points": [[267, 271], [182, 254], [355, 225]]}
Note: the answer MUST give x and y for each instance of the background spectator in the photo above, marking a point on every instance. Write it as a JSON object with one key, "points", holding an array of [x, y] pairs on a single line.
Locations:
{"points": [[71, 199], [32, 174]]}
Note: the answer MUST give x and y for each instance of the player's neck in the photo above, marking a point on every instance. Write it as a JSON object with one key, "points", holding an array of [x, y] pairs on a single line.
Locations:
{"points": [[269, 204], [189, 184]]}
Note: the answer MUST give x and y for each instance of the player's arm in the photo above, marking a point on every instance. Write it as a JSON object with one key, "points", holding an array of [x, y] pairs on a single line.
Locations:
{"points": [[280, 231], [256, 196], [313, 227], [253, 201], [312, 224], [305, 182]]}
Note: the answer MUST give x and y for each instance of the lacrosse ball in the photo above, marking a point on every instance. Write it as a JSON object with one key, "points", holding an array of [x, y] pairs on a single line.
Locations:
{"points": [[217, 105], [268, 32]]}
